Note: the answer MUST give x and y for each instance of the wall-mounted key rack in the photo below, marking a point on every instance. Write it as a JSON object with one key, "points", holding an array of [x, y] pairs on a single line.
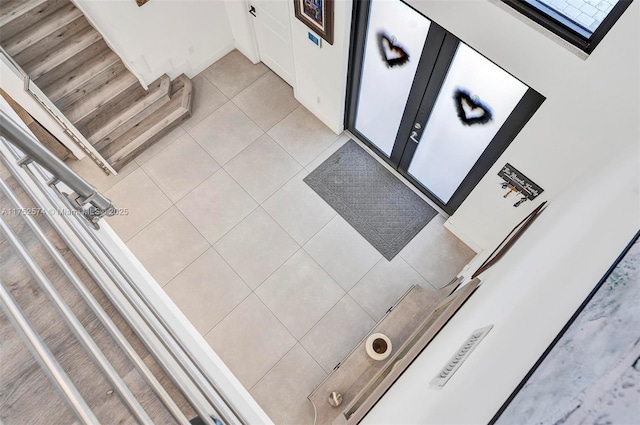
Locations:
{"points": [[515, 181]]}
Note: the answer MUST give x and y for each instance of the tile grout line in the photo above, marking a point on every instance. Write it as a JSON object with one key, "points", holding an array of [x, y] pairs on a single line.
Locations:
{"points": [[192, 189], [285, 328], [316, 362], [154, 219], [323, 316], [414, 269], [271, 368], [239, 152], [319, 320], [204, 334], [245, 190], [326, 150], [368, 270], [298, 250], [252, 120], [222, 61], [356, 284], [279, 360], [275, 140], [278, 268], [161, 150], [235, 225], [215, 109], [194, 260]]}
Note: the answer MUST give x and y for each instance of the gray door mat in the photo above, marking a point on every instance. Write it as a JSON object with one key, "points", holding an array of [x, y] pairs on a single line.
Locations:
{"points": [[375, 202]]}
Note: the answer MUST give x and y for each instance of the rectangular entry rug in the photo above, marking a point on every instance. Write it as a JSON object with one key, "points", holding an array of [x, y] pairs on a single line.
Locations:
{"points": [[372, 200]]}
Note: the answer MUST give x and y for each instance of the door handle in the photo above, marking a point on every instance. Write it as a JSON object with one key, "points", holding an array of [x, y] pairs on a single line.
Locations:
{"points": [[414, 134], [252, 10]]}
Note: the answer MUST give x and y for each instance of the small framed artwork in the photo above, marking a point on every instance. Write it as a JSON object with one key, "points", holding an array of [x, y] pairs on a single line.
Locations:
{"points": [[317, 15]]}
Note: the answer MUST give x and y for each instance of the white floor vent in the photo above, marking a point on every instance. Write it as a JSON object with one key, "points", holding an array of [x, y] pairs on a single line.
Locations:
{"points": [[460, 356]]}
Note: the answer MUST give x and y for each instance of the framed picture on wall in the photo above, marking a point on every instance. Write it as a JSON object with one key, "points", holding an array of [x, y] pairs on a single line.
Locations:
{"points": [[317, 15]]}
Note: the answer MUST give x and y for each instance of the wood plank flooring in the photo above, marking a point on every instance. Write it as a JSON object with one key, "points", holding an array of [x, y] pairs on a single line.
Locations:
{"points": [[26, 395]]}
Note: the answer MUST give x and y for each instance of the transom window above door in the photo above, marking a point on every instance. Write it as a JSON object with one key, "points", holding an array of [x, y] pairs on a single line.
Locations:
{"points": [[583, 23]]}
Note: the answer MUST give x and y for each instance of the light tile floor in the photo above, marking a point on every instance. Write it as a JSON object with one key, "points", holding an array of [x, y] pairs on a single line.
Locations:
{"points": [[278, 283]]}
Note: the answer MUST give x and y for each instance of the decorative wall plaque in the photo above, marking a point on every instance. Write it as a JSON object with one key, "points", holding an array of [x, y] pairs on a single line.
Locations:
{"points": [[520, 182]]}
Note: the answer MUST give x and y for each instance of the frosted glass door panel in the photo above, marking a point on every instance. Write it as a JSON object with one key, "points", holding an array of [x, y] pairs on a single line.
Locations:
{"points": [[395, 38], [475, 100]]}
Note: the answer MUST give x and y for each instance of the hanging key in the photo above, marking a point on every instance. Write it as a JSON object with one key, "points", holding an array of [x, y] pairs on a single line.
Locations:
{"points": [[520, 202]]}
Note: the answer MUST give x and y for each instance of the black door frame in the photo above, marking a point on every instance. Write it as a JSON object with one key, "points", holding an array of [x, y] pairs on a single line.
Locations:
{"points": [[437, 55], [429, 54]]}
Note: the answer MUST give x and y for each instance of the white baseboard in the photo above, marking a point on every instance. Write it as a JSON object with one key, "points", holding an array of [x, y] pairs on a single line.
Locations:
{"points": [[192, 71], [253, 58], [335, 127]]}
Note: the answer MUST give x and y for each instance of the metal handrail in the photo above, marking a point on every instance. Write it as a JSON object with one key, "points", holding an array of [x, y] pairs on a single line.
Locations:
{"points": [[89, 345], [182, 366], [102, 316], [81, 233], [146, 312], [37, 152], [55, 114], [165, 334], [154, 330], [43, 356]]}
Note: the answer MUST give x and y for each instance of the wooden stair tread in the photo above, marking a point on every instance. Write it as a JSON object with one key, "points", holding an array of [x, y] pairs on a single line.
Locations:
{"points": [[122, 150], [52, 42], [155, 97], [48, 26], [111, 87], [101, 115], [80, 75], [91, 86], [7, 8], [71, 63], [69, 68], [66, 50], [26, 14]]}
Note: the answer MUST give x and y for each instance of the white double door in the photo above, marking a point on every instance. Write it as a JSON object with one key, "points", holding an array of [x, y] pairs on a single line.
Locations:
{"points": [[431, 106]]}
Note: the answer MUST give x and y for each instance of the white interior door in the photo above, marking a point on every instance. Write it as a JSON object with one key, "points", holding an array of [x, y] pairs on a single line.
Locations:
{"points": [[273, 33]]}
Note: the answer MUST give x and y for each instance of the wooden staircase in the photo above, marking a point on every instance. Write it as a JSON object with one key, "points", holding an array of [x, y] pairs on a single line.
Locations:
{"points": [[70, 62]]}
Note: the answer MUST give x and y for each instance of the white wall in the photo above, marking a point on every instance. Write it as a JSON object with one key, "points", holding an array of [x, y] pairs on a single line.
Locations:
{"points": [[14, 86], [321, 73], [591, 108], [163, 36], [583, 148], [528, 296]]}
